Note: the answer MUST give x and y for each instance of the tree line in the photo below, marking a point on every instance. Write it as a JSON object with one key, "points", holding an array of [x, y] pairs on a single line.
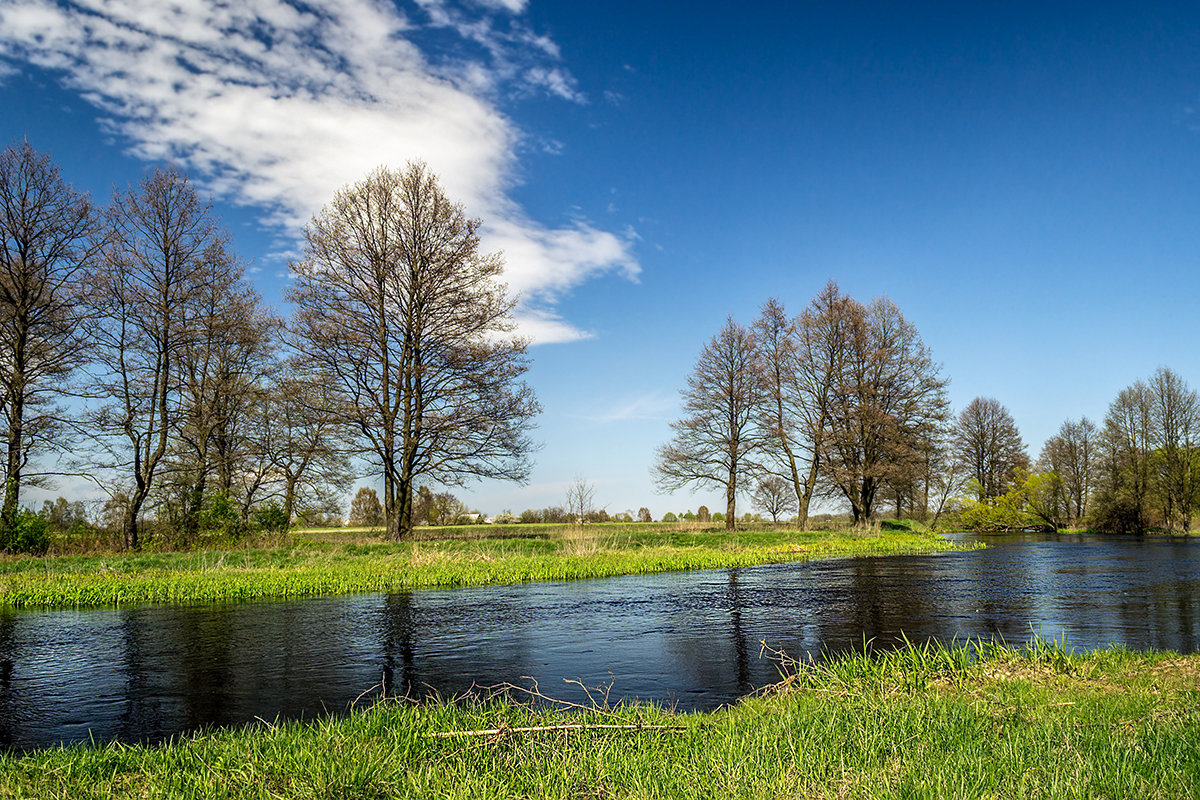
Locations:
{"points": [[843, 403], [134, 349]]}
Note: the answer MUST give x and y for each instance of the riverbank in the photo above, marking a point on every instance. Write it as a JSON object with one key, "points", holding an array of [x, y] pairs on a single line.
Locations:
{"points": [[984, 721], [344, 562]]}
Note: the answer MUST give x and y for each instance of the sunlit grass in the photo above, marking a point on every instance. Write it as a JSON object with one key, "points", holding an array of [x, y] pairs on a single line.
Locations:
{"points": [[327, 563], [981, 720]]}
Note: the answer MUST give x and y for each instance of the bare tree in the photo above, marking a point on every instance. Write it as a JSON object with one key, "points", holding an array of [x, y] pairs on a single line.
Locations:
{"points": [[1175, 417], [1071, 454], [713, 441], [776, 496], [154, 267], [223, 361], [298, 439], [580, 497], [987, 441], [887, 401], [395, 301], [797, 361], [644, 515], [49, 234], [1127, 446]]}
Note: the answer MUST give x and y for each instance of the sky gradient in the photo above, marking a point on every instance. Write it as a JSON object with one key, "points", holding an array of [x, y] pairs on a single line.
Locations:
{"points": [[1022, 182]]}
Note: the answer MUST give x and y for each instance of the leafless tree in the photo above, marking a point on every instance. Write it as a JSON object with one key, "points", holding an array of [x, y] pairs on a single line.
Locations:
{"points": [[797, 361], [395, 301], [987, 441], [1071, 454], [644, 515], [299, 442], [886, 402], [580, 496], [1127, 446], [776, 496], [49, 236], [223, 361], [713, 441], [155, 266], [1175, 419]]}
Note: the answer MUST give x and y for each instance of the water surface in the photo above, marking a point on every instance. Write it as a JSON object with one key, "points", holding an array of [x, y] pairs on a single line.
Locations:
{"points": [[691, 640]]}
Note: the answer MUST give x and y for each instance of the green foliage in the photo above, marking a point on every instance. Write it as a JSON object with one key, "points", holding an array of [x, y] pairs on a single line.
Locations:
{"points": [[1035, 499], [718, 517], [30, 534], [271, 518], [220, 516], [670, 517]]}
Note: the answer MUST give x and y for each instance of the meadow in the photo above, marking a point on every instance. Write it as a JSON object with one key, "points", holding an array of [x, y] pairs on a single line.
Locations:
{"points": [[981, 720], [344, 561]]}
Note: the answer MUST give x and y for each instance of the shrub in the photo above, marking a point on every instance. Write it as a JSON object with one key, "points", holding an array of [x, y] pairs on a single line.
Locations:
{"points": [[30, 534]]}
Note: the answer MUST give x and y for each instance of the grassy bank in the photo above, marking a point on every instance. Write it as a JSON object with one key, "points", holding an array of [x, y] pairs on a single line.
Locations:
{"points": [[927, 722], [342, 562]]}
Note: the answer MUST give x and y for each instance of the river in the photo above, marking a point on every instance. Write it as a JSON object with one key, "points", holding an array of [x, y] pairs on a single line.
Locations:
{"points": [[690, 640]]}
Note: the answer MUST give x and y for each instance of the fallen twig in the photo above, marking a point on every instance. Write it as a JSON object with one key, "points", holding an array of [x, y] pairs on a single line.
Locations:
{"points": [[541, 728]]}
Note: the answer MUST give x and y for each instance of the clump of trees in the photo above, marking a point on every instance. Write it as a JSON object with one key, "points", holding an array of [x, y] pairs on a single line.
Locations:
{"points": [[843, 400], [202, 410]]}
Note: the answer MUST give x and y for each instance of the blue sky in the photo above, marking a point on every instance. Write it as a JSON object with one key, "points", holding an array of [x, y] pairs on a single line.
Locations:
{"points": [[1021, 181]]}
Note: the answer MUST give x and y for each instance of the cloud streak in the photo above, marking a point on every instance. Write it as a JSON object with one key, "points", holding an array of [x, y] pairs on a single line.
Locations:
{"points": [[276, 104]]}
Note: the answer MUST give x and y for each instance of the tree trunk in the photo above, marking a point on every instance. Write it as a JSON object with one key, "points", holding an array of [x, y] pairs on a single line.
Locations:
{"points": [[731, 502]]}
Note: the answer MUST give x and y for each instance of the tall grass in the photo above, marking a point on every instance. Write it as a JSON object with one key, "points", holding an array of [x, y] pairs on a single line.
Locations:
{"points": [[978, 720], [316, 565]]}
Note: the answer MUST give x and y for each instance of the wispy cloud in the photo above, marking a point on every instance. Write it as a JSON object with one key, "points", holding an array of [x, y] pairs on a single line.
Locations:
{"points": [[649, 406], [275, 104]]}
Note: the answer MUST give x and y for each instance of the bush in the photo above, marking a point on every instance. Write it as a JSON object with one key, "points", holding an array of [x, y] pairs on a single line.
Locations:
{"points": [[271, 519], [669, 517], [30, 534]]}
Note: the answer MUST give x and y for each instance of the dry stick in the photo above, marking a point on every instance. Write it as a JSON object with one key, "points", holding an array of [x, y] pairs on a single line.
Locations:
{"points": [[540, 728], [536, 692]]}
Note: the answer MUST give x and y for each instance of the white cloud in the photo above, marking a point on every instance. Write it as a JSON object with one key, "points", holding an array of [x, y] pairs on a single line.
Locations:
{"points": [[276, 105]]}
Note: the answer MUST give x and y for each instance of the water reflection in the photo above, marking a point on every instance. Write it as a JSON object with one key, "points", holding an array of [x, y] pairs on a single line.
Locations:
{"points": [[689, 639]]}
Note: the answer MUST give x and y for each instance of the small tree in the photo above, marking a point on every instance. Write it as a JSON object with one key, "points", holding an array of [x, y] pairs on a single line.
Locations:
{"points": [[644, 515], [580, 495], [366, 509], [670, 517], [703, 515], [776, 496], [712, 443]]}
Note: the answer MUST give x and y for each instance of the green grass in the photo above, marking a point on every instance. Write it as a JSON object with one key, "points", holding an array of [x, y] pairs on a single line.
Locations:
{"points": [[980, 721], [341, 562]]}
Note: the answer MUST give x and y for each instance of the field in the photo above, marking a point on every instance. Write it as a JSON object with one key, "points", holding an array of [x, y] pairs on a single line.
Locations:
{"points": [[341, 561], [976, 721]]}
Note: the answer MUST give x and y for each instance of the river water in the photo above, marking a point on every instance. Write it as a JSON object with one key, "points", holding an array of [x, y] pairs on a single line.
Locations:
{"points": [[689, 640]]}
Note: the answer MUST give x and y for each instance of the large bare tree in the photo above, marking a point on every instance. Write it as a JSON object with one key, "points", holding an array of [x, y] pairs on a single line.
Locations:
{"points": [[797, 361], [987, 441], [396, 302], [887, 402], [159, 260], [714, 440], [49, 234]]}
